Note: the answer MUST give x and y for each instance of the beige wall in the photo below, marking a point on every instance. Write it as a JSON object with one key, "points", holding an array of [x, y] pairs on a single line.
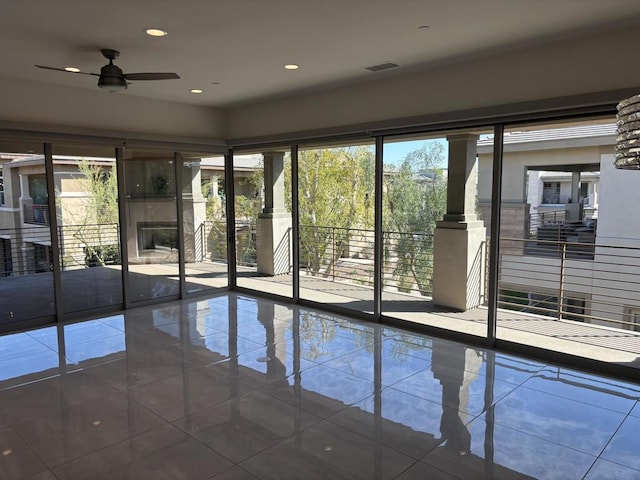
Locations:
{"points": [[40, 106], [569, 67]]}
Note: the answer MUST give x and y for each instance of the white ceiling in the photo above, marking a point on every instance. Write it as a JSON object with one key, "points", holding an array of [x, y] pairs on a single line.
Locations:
{"points": [[243, 44]]}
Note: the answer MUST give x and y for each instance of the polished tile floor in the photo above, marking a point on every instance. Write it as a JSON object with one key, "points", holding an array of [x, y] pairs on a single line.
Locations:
{"points": [[232, 387]]}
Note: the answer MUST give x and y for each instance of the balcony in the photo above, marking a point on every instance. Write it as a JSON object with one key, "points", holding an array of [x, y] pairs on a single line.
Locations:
{"points": [[35, 214]]}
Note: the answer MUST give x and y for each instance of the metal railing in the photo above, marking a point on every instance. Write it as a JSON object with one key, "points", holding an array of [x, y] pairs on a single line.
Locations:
{"points": [[36, 214], [90, 245], [211, 241], [346, 254], [551, 217], [24, 251], [591, 283]]}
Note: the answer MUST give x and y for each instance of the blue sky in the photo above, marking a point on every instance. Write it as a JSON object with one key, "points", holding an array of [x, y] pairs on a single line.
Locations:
{"points": [[395, 152]]}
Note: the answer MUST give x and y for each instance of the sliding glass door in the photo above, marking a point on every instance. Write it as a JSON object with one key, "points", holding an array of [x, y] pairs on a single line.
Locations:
{"points": [[26, 258], [86, 184], [203, 222], [336, 198], [151, 225]]}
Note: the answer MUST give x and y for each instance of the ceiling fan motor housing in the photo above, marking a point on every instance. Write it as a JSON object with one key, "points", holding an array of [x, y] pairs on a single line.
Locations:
{"points": [[111, 78]]}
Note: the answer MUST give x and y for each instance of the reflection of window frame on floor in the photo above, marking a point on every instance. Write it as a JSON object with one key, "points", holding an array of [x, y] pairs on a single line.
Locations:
{"points": [[42, 256], [632, 316], [6, 260]]}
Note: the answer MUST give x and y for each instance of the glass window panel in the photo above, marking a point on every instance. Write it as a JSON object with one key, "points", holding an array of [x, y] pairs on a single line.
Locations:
{"points": [[88, 226], [152, 224], [434, 231], [336, 215], [26, 264], [570, 242], [204, 222], [263, 221]]}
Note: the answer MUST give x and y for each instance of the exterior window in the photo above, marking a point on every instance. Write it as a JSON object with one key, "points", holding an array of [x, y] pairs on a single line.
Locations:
{"points": [[551, 192], [632, 316]]}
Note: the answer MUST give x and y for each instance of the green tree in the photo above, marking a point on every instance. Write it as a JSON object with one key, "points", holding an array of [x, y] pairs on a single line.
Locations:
{"points": [[415, 199], [335, 192]]}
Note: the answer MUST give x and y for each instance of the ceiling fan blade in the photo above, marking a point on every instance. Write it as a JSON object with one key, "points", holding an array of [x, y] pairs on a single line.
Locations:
{"points": [[151, 76], [66, 71]]}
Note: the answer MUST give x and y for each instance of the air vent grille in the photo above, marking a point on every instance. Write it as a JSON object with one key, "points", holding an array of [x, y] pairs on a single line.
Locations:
{"points": [[382, 66]]}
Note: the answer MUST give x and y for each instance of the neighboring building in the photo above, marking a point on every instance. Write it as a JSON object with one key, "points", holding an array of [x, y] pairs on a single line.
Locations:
{"points": [[565, 211]]}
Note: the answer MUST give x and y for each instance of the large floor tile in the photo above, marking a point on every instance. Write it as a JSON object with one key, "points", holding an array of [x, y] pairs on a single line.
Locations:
{"points": [[234, 473], [83, 429], [17, 460], [624, 447], [97, 351], [394, 363], [557, 419], [636, 410], [605, 470], [483, 450], [31, 368], [463, 390], [162, 453], [409, 424], [21, 344], [183, 394], [141, 366], [598, 391], [244, 426], [218, 347], [327, 451], [50, 396], [268, 365], [422, 471], [321, 390], [46, 475]]}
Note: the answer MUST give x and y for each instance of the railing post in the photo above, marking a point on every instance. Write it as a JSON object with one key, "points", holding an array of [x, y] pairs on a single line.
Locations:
{"points": [[333, 254], [561, 289]]}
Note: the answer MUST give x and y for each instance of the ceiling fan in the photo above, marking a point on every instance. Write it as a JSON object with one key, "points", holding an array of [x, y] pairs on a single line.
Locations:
{"points": [[111, 76]]}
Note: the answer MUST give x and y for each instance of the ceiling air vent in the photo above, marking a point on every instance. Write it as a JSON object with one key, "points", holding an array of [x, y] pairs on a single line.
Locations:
{"points": [[382, 66]]}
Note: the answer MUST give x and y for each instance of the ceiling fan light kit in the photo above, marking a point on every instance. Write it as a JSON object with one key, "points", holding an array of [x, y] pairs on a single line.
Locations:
{"points": [[112, 78]]}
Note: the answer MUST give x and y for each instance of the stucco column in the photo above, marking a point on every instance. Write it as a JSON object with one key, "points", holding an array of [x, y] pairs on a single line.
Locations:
{"points": [[274, 223], [194, 207], [572, 210], [459, 239]]}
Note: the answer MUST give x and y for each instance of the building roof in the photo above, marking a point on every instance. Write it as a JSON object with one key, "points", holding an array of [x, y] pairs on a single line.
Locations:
{"points": [[604, 132]]}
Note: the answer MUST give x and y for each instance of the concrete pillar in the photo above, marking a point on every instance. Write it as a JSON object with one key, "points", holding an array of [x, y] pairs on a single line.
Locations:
{"points": [[194, 211], [573, 210], [459, 239], [273, 228]]}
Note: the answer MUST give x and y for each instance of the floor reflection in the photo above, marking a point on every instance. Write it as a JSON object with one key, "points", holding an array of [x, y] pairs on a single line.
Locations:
{"points": [[270, 389]]}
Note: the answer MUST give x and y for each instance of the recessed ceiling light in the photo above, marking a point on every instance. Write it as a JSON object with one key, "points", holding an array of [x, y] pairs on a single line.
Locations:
{"points": [[291, 66], [215, 83], [72, 69], [423, 27], [155, 32], [196, 90]]}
